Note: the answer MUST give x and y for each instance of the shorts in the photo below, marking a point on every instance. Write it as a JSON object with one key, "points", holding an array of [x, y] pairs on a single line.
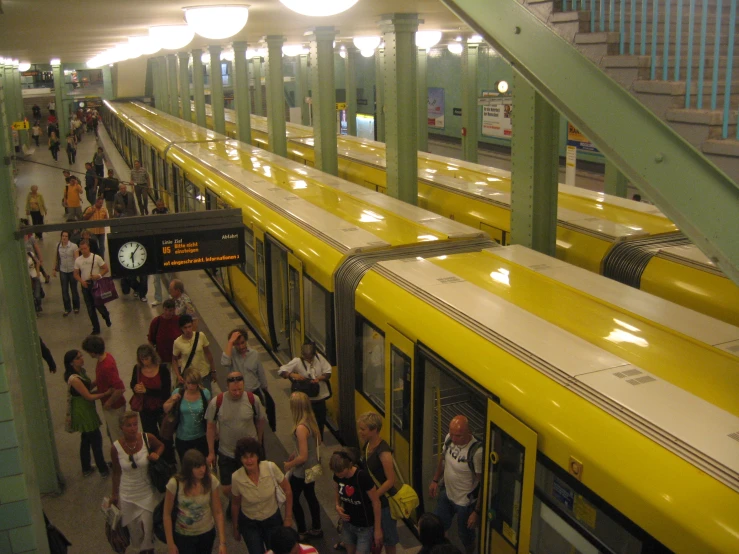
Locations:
{"points": [[389, 528], [226, 468], [361, 537]]}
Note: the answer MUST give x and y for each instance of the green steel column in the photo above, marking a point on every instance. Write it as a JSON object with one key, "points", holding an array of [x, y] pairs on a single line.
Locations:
{"points": [[323, 93], [23, 136], [156, 79], [164, 84], [615, 181], [59, 99], [470, 117], [184, 85], [174, 100], [401, 129], [107, 83], [21, 350], [380, 94], [241, 92], [423, 102], [350, 83], [304, 87], [9, 84], [258, 99], [198, 86], [535, 169], [216, 90], [276, 97]]}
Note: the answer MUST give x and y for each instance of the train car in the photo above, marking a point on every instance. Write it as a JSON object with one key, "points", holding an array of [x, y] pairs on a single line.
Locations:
{"points": [[631, 242], [593, 443]]}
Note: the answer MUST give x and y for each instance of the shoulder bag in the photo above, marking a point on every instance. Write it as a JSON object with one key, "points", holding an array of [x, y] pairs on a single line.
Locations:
{"points": [[279, 493], [137, 400], [158, 516], [306, 386], [313, 473], [103, 289], [171, 420], [404, 501], [160, 471]]}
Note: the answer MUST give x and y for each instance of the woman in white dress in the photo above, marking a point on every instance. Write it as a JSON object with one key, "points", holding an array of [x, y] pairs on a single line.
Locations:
{"points": [[133, 492]]}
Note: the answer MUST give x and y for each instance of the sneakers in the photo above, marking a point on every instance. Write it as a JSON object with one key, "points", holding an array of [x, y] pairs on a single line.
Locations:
{"points": [[88, 472], [105, 474], [155, 303], [108, 322], [143, 299], [65, 314], [135, 294]]}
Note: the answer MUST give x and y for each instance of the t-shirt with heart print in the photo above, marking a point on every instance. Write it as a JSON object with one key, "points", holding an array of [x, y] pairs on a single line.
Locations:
{"points": [[355, 501]]}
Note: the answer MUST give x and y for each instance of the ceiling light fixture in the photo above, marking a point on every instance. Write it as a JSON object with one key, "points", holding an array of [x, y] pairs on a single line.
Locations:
{"points": [[474, 39], [502, 86], [145, 45], [24, 66], [258, 53], [367, 53], [54, 61], [172, 37], [427, 39], [227, 55], [291, 50], [367, 43], [342, 52], [217, 22], [455, 48], [318, 8]]}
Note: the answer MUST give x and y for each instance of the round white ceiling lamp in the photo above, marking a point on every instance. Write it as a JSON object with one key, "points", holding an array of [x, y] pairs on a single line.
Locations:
{"points": [[318, 8], [427, 39], [367, 43], [227, 55], [217, 22], [502, 86], [172, 37], [24, 66], [367, 53], [291, 50], [474, 39], [342, 52], [258, 53], [455, 48], [205, 58], [145, 45]]}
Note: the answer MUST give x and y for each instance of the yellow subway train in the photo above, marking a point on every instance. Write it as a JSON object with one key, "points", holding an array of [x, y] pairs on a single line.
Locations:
{"points": [[609, 416], [631, 242]]}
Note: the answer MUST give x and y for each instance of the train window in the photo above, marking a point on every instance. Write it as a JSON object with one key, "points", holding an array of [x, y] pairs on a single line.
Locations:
{"points": [[261, 276], [317, 313], [371, 364], [249, 265], [194, 198], [570, 517], [401, 379], [211, 200]]}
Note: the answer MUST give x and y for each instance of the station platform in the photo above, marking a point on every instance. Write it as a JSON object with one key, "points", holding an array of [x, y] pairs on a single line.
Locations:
{"points": [[76, 512]]}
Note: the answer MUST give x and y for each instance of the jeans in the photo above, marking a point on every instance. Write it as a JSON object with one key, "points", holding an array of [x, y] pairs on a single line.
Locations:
{"points": [[92, 440], [35, 139], [299, 486], [446, 510], [92, 310], [69, 283], [139, 284], [71, 155], [37, 219], [36, 287], [361, 537], [101, 242], [158, 288], [257, 533], [195, 544], [269, 405], [319, 410], [100, 170], [183, 446], [227, 466], [91, 194], [142, 198]]}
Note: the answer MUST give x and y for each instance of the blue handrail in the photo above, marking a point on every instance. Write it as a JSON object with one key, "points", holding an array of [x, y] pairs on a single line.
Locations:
{"points": [[702, 57], [678, 38], [655, 20], [716, 54], [643, 49], [666, 44], [632, 38], [689, 68], [729, 64]]}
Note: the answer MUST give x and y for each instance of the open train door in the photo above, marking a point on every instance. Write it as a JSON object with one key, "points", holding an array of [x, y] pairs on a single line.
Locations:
{"points": [[510, 465], [295, 303], [399, 355]]}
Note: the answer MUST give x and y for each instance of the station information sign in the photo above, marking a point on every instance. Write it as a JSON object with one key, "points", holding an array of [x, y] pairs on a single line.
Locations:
{"points": [[199, 250]]}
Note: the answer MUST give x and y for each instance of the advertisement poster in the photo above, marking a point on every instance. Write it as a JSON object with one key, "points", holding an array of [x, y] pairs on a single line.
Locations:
{"points": [[496, 117], [578, 140], [436, 108]]}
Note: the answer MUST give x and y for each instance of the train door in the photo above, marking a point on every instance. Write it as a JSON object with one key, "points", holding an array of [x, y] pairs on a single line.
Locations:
{"points": [[399, 363], [278, 298], [508, 492], [295, 288], [261, 276]]}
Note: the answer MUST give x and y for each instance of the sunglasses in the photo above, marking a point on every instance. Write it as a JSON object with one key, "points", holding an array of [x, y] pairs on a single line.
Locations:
{"points": [[235, 379], [133, 462]]}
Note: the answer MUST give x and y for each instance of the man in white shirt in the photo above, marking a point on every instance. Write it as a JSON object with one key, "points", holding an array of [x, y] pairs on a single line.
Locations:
{"points": [[461, 464], [89, 267]]}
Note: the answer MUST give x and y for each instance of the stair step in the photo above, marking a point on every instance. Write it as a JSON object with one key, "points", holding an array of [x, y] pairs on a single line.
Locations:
{"points": [[699, 117], [677, 88], [721, 147], [637, 61], [597, 38]]}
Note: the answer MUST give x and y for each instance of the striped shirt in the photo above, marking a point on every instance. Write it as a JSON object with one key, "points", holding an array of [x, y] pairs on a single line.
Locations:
{"points": [[140, 176], [65, 257], [97, 215]]}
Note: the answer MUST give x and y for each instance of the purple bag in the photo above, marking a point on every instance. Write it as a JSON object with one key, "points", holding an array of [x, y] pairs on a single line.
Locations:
{"points": [[104, 291]]}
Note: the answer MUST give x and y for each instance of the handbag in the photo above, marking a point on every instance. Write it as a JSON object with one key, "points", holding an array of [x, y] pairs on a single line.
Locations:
{"points": [[118, 538], [160, 470], [171, 420], [137, 400], [313, 473], [158, 516], [404, 501], [104, 291], [306, 386], [58, 543], [279, 493]]}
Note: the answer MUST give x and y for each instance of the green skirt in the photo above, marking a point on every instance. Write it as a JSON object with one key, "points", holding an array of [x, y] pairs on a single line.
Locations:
{"points": [[84, 415]]}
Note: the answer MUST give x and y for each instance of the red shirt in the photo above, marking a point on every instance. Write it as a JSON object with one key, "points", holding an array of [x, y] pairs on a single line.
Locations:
{"points": [[162, 334], [107, 377]]}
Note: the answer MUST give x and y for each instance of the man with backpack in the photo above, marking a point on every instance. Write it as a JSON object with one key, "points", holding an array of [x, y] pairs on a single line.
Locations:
{"points": [[231, 416], [460, 464]]}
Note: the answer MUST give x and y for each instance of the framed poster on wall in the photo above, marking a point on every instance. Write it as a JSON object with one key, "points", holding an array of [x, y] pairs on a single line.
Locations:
{"points": [[496, 115], [436, 108]]}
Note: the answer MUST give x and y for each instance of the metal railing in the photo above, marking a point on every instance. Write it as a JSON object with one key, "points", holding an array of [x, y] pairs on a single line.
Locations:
{"points": [[660, 28]]}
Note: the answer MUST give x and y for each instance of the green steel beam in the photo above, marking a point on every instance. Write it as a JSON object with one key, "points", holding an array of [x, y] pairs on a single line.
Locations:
{"points": [[184, 85], [302, 74], [470, 118], [380, 94], [217, 106], [174, 99], [107, 83], [401, 101], [164, 84], [258, 96], [423, 101], [690, 190], [58, 99], [615, 182], [198, 86], [534, 169], [19, 336], [350, 84], [241, 92], [323, 93], [276, 126]]}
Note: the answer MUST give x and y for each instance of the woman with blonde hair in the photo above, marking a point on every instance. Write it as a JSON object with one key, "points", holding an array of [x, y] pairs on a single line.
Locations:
{"points": [[192, 400], [307, 438]]}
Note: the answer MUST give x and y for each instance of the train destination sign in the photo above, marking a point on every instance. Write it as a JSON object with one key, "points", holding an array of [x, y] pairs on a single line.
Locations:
{"points": [[199, 250]]}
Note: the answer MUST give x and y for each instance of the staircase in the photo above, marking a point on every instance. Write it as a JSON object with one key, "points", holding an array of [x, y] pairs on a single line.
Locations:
{"points": [[685, 68]]}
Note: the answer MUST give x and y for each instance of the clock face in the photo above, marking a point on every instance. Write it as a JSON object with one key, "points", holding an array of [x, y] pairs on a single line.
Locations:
{"points": [[132, 255]]}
